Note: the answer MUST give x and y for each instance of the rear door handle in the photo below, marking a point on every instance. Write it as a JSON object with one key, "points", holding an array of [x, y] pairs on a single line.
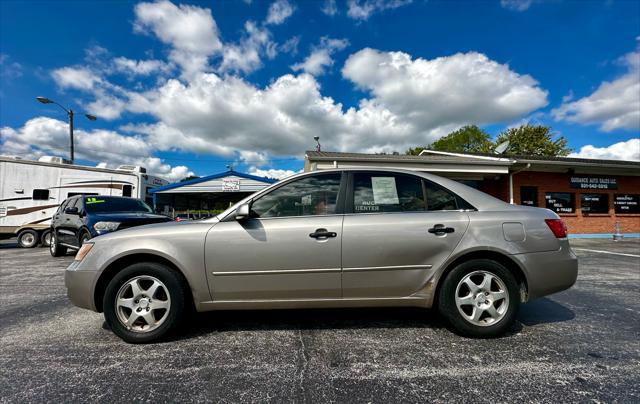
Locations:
{"points": [[323, 233], [441, 229]]}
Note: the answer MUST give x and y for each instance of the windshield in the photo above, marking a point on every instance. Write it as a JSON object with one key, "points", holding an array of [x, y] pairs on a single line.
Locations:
{"points": [[105, 204]]}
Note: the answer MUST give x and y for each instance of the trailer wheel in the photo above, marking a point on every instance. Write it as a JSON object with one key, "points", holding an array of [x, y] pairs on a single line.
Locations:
{"points": [[28, 238], [45, 238]]}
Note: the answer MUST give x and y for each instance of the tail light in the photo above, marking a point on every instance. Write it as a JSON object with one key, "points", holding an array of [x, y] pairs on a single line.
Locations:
{"points": [[558, 228]]}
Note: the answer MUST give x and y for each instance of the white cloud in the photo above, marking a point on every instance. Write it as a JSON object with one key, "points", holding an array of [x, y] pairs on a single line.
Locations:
{"points": [[613, 105], [458, 89], [9, 69], [516, 5], [272, 173], [363, 9], [75, 77], [191, 32], [329, 7], [279, 11], [245, 56], [291, 45], [320, 57], [140, 67], [629, 150], [41, 136]]}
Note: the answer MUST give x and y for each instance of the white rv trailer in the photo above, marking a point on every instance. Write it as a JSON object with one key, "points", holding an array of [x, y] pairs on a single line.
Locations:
{"points": [[31, 191]]}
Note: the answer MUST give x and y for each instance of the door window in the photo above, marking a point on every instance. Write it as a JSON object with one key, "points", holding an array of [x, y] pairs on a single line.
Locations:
{"points": [[309, 196], [387, 192]]}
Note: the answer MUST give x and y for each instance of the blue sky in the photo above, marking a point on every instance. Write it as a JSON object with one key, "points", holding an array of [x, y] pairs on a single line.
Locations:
{"points": [[189, 87]]}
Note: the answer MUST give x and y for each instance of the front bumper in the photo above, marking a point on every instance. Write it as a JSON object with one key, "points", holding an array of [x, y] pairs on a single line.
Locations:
{"points": [[80, 286], [550, 271]]}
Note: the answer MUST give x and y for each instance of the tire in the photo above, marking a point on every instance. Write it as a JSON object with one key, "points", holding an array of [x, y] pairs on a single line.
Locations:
{"points": [[55, 249], [84, 236], [45, 238], [480, 312], [28, 238], [142, 316]]}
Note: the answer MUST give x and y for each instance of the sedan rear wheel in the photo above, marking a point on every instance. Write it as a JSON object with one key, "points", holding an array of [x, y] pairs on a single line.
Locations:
{"points": [[479, 298], [144, 302]]}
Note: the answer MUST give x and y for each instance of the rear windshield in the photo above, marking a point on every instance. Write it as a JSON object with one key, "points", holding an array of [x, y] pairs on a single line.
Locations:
{"points": [[98, 204]]}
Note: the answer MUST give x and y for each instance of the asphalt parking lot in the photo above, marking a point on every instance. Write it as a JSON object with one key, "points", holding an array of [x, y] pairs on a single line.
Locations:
{"points": [[578, 345]]}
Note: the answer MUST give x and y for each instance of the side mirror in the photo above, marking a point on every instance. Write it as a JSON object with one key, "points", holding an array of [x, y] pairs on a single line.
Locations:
{"points": [[243, 212], [72, 211]]}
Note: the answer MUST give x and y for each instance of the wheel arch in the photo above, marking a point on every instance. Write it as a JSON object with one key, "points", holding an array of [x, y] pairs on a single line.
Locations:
{"points": [[121, 263], [496, 256]]}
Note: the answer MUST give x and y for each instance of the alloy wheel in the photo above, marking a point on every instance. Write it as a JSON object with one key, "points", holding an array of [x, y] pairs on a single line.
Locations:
{"points": [[142, 303], [482, 298]]}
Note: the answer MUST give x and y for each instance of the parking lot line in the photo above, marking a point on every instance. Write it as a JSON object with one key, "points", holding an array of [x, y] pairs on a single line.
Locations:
{"points": [[607, 252]]}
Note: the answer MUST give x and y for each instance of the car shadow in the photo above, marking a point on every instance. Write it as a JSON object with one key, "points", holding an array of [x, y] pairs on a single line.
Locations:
{"points": [[544, 311], [309, 319]]}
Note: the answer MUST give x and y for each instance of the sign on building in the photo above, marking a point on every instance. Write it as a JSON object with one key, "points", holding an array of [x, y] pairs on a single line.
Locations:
{"points": [[593, 182], [230, 184], [626, 203]]}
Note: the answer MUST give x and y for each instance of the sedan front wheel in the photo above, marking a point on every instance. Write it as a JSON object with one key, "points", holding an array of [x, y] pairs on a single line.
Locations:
{"points": [[144, 302]]}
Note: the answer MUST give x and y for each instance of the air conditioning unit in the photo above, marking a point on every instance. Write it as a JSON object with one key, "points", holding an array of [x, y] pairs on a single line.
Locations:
{"points": [[54, 159], [135, 169]]}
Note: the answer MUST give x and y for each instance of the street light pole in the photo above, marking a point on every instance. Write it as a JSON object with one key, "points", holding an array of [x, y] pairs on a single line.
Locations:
{"points": [[71, 135], [70, 114]]}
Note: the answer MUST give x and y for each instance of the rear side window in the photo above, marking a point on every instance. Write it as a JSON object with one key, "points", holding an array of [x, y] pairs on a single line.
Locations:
{"points": [[40, 195], [387, 192], [439, 198]]}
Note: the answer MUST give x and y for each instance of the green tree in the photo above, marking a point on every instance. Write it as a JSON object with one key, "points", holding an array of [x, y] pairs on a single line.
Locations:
{"points": [[533, 140], [414, 151], [468, 139]]}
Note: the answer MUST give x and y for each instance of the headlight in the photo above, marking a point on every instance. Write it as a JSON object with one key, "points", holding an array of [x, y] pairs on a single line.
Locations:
{"points": [[84, 250], [106, 226]]}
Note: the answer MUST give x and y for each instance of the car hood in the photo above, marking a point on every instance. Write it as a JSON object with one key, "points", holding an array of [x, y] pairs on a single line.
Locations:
{"points": [[158, 230], [130, 217]]}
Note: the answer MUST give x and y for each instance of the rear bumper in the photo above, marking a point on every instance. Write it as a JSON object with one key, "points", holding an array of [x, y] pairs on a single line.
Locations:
{"points": [[80, 286], [550, 271]]}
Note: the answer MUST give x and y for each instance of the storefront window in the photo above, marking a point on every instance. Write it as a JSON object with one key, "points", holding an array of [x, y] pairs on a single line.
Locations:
{"points": [[594, 203], [561, 202], [626, 203], [529, 196]]}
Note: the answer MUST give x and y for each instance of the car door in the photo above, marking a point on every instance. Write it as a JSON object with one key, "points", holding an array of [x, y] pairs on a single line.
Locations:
{"points": [[66, 224], [289, 247], [398, 228]]}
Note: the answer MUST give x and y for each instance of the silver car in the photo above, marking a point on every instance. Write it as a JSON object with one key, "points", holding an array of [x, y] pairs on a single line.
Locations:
{"points": [[335, 238]]}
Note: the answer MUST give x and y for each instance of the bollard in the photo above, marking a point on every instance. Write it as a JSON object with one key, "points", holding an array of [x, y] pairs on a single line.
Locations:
{"points": [[617, 236]]}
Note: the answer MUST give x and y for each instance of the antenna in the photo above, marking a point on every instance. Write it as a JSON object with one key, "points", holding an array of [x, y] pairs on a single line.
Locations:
{"points": [[502, 147], [317, 139]]}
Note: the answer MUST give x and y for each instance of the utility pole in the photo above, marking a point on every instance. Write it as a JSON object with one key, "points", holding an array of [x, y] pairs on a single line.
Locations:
{"points": [[45, 100], [71, 135]]}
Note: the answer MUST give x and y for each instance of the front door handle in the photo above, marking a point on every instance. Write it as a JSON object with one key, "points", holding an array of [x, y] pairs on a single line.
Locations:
{"points": [[323, 233], [441, 229]]}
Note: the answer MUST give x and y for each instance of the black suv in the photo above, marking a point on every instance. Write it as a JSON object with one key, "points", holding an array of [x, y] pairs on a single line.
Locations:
{"points": [[80, 218]]}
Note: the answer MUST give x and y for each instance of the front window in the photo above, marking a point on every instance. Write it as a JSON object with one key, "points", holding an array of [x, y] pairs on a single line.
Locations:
{"points": [[98, 204], [309, 196], [594, 203], [561, 202]]}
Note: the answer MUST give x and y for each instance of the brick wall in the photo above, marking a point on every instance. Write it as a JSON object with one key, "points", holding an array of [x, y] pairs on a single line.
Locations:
{"points": [[559, 182]]}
